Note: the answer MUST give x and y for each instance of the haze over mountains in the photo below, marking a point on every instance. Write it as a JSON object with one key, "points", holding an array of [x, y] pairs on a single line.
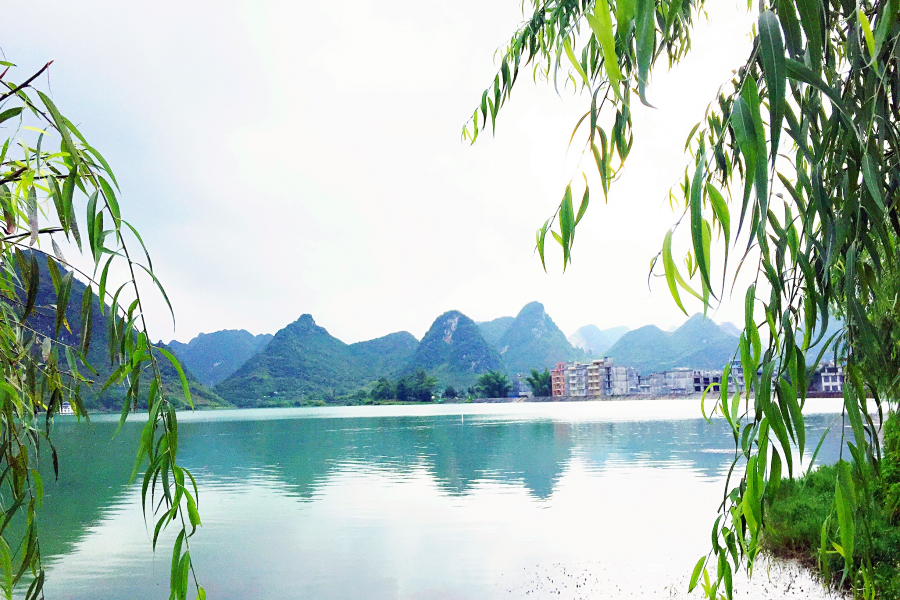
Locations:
{"points": [[596, 341], [304, 362], [698, 344], [215, 356]]}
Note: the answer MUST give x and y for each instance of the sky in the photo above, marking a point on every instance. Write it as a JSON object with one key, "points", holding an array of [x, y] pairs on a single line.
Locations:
{"points": [[282, 158]]}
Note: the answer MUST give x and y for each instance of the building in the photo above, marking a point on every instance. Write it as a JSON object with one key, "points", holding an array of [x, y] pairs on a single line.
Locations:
{"points": [[828, 378], [522, 389], [704, 379], [618, 381], [634, 380], [679, 381], [599, 377], [558, 380], [577, 379]]}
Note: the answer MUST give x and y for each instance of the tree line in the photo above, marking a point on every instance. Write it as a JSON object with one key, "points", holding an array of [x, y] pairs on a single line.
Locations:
{"points": [[422, 387]]}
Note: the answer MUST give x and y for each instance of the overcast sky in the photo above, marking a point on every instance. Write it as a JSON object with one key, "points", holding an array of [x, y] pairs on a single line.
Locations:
{"points": [[283, 158]]}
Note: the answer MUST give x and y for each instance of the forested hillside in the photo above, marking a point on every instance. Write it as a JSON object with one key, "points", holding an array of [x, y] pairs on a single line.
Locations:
{"points": [[304, 362], [212, 357], [455, 351], [99, 352], [698, 344]]}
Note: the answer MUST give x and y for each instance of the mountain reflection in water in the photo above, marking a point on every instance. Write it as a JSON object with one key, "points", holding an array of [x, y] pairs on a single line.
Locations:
{"points": [[363, 492]]}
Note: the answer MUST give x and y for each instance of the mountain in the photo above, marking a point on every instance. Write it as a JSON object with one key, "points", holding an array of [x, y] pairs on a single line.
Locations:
{"points": [[214, 356], [304, 361], [455, 351], [43, 323], [534, 341], [596, 341], [730, 328], [386, 355], [494, 330], [698, 344]]}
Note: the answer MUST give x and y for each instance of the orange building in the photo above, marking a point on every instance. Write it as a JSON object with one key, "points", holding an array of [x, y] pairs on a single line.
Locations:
{"points": [[558, 379]]}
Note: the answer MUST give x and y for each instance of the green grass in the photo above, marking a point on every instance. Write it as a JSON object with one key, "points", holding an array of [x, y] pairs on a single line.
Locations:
{"points": [[797, 512]]}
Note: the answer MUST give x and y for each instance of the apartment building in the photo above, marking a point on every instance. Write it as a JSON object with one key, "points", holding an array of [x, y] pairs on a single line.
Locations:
{"points": [[828, 378], [577, 379], [679, 381], [558, 380], [598, 378], [704, 379]]}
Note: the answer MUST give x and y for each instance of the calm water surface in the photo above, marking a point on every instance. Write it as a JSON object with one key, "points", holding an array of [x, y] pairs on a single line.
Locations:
{"points": [[581, 500]]}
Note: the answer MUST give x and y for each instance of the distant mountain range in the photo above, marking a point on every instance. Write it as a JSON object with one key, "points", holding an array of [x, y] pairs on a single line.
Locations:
{"points": [[699, 344], [305, 362], [596, 341], [213, 357]]}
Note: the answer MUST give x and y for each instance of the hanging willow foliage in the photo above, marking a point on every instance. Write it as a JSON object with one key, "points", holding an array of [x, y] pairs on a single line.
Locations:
{"points": [[47, 170], [799, 154]]}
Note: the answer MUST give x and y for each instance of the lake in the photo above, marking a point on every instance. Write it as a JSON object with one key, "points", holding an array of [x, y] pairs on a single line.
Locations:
{"points": [[471, 501]]}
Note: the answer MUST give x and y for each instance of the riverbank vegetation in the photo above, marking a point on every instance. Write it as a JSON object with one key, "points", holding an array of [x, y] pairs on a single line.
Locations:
{"points": [[801, 519]]}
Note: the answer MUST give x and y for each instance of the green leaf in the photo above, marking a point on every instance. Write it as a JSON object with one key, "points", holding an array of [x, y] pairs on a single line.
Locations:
{"points": [[601, 24], [61, 125], [700, 251], [745, 136], [695, 576], [185, 388], [139, 239], [87, 317], [867, 33], [55, 277], [797, 71], [10, 113], [111, 201], [100, 159], [720, 209], [567, 45], [193, 514], [566, 224], [161, 289], [844, 500], [584, 204], [645, 36], [625, 12], [62, 300], [793, 38], [541, 234], [670, 269], [751, 505], [775, 472], [873, 183], [33, 280], [175, 572], [58, 203], [750, 94], [33, 216], [811, 19], [773, 59]]}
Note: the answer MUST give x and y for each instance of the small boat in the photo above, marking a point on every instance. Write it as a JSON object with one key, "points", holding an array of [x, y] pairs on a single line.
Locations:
{"points": [[66, 409]]}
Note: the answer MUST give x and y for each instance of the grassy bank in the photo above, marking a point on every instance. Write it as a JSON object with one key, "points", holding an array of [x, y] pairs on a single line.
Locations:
{"points": [[802, 513]]}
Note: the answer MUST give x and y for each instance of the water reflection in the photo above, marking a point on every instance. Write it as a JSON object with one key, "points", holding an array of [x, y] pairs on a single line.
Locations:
{"points": [[356, 505]]}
